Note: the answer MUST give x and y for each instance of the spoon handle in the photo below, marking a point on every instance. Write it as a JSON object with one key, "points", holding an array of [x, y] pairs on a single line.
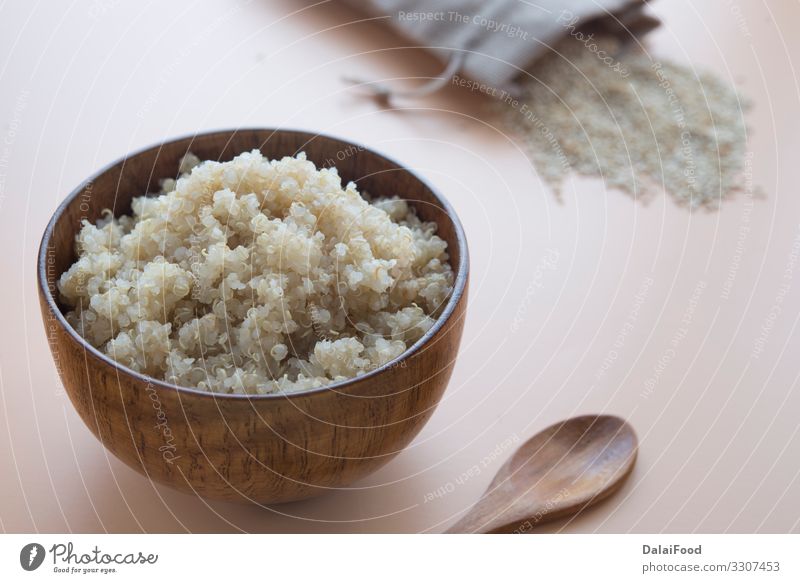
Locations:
{"points": [[479, 521]]}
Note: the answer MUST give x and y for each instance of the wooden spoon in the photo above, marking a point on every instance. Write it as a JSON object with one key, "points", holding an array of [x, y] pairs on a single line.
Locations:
{"points": [[559, 471]]}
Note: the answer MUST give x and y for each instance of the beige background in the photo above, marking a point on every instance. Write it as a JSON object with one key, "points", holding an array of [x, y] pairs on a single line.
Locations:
{"points": [[83, 83]]}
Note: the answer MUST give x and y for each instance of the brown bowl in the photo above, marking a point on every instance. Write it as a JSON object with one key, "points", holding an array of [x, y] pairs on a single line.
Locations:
{"points": [[265, 449]]}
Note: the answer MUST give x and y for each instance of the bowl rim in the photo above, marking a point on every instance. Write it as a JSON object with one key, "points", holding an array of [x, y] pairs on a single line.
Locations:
{"points": [[459, 285]]}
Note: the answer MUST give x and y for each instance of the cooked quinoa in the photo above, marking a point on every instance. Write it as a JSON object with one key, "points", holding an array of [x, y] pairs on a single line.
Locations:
{"points": [[257, 276]]}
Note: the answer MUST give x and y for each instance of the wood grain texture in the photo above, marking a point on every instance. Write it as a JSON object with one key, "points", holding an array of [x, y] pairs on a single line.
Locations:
{"points": [[264, 449], [558, 472]]}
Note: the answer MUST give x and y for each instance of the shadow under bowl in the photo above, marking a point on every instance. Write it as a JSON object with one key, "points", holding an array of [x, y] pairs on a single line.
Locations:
{"points": [[266, 448]]}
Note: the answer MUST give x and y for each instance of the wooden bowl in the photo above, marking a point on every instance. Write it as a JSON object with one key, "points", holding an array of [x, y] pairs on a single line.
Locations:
{"points": [[265, 449]]}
